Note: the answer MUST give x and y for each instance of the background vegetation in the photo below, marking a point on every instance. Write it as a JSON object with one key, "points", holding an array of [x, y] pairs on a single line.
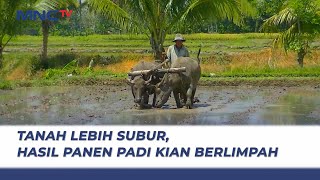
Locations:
{"points": [[231, 47], [223, 55]]}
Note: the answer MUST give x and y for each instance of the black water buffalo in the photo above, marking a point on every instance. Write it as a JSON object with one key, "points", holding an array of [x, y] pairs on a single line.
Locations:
{"points": [[142, 86], [183, 85]]}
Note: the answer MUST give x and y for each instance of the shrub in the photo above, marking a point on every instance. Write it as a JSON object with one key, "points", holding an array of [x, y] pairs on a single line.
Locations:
{"points": [[6, 85], [61, 59]]}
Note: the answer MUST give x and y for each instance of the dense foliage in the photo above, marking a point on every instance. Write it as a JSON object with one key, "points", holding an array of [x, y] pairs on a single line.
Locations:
{"points": [[85, 21], [298, 22]]}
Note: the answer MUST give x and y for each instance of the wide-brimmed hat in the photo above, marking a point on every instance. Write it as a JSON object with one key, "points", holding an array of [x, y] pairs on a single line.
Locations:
{"points": [[178, 37]]}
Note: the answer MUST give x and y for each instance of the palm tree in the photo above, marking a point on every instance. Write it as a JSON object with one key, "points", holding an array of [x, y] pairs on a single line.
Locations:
{"points": [[45, 24], [156, 18], [298, 23], [8, 22]]}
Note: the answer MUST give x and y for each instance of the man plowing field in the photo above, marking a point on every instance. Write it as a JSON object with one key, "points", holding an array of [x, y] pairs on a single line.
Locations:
{"points": [[181, 78], [177, 50]]}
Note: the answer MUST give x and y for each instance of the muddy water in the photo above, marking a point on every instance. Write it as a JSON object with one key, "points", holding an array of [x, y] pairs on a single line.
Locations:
{"points": [[114, 105]]}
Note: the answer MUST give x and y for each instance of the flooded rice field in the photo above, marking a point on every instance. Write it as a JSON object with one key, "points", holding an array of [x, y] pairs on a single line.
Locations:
{"points": [[95, 105]]}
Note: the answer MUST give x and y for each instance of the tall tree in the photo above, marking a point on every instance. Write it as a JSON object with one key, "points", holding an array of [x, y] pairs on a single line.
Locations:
{"points": [[298, 23], [265, 9], [8, 22], [157, 17], [45, 24]]}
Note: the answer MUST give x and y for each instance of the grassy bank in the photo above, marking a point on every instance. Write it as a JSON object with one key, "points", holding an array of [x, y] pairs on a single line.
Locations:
{"points": [[204, 81], [227, 59]]}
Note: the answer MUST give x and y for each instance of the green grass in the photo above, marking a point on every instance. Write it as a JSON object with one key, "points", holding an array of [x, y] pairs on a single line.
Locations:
{"points": [[261, 81], [22, 53], [6, 85], [105, 80], [12, 61], [56, 74], [94, 38], [210, 42], [110, 43], [268, 72]]}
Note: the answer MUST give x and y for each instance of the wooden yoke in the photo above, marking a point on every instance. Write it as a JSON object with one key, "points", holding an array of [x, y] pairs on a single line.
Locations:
{"points": [[146, 72]]}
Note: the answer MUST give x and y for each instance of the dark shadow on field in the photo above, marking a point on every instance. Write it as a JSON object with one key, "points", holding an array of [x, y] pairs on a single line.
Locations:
{"points": [[195, 106], [201, 105]]}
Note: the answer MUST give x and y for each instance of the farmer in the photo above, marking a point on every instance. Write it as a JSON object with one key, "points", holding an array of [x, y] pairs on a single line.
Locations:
{"points": [[177, 50]]}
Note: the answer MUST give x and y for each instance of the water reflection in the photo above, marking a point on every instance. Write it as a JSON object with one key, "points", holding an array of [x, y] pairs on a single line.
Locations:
{"points": [[293, 108]]}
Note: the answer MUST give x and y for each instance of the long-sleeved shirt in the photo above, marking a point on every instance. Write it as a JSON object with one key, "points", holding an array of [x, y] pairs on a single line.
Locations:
{"points": [[174, 53]]}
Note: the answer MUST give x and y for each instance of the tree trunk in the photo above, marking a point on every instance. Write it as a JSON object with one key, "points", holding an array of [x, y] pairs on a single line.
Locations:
{"points": [[301, 54], [256, 29], [1, 56], [157, 40], [45, 36]]}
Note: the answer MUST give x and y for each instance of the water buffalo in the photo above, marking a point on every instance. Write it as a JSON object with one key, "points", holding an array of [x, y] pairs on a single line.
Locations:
{"points": [[183, 84], [143, 85]]}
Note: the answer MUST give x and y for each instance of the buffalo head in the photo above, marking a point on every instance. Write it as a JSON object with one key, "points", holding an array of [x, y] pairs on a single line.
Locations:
{"points": [[139, 86]]}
